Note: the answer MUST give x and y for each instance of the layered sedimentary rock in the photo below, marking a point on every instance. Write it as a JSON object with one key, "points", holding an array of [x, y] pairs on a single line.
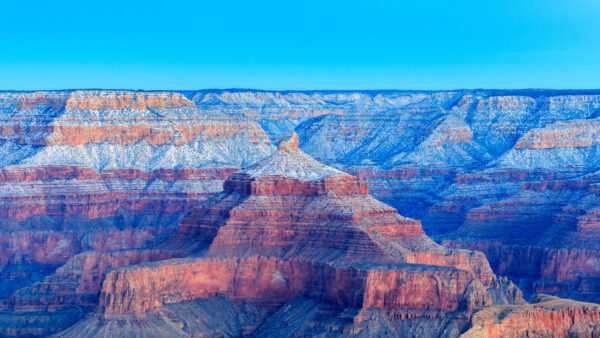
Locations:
{"points": [[290, 227], [547, 317], [208, 317], [99, 172], [511, 173]]}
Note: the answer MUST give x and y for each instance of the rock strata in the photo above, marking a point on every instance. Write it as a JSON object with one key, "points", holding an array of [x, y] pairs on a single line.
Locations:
{"points": [[95, 175], [281, 229], [547, 317]]}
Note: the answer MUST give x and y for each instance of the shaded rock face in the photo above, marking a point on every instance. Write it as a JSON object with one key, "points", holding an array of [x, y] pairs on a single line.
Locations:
{"points": [[513, 174], [85, 175], [94, 173], [209, 317]]}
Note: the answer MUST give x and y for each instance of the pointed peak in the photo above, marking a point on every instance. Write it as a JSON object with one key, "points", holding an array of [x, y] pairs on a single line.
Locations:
{"points": [[290, 161], [289, 142]]}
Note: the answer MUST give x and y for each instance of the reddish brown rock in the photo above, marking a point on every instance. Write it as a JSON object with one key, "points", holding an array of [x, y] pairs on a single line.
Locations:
{"points": [[568, 272], [125, 99], [155, 134], [78, 281], [543, 224], [547, 317], [290, 227], [562, 135], [32, 100], [273, 281]]}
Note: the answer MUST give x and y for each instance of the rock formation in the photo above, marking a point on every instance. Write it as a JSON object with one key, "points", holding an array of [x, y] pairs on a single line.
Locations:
{"points": [[289, 228], [547, 317], [86, 175], [510, 173], [91, 180]]}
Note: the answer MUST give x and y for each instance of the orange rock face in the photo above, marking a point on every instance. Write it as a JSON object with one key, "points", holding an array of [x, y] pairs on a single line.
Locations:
{"points": [[155, 134], [32, 100], [562, 135], [271, 282], [118, 117], [547, 317], [126, 100]]}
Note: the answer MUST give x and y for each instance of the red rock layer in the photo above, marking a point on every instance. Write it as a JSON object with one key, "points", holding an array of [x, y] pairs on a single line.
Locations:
{"points": [[536, 227], [274, 281], [37, 246], [78, 281], [79, 197], [549, 317], [51, 214], [273, 185], [94, 206], [546, 270], [332, 217], [155, 134], [270, 238], [126, 100]]}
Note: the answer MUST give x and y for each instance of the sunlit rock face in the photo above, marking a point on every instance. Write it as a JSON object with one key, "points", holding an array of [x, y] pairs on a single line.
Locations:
{"points": [[91, 180], [547, 317]]}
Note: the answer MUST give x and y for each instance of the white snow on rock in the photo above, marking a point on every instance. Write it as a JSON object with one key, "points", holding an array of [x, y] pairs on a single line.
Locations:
{"points": [[290, 161]]}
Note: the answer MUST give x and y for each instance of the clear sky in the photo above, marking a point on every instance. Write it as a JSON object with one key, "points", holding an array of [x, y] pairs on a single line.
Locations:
{"points": [[349, 44]]}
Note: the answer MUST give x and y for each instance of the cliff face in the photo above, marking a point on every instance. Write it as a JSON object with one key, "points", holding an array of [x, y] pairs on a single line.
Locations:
{"points": [[90, 173], [511, 174], [100, 172], [547, 317], [290, 227], [271, 282]]}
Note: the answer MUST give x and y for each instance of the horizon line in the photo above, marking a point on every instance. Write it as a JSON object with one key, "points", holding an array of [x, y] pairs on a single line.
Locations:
{"points": [[235, 89]]}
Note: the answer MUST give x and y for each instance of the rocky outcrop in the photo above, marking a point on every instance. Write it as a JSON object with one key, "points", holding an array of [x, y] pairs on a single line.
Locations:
{"points": [[124, 130], [107, 170], [126, 100], [510, 173], [570, 273], [272, 282], [78, 281], [485, 170], [211, 317], [101, 173], [546, 317], [289, 227]]}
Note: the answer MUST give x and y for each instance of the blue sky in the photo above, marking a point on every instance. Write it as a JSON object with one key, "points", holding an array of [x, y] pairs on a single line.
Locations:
{"points": [[307, 44]]}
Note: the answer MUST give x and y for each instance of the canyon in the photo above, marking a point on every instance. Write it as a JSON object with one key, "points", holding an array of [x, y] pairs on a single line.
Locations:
{"points": [[130, 207]]}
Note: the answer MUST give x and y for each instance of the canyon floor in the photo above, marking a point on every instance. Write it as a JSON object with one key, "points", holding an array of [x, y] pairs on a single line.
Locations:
{"points": [[379, 213]]}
